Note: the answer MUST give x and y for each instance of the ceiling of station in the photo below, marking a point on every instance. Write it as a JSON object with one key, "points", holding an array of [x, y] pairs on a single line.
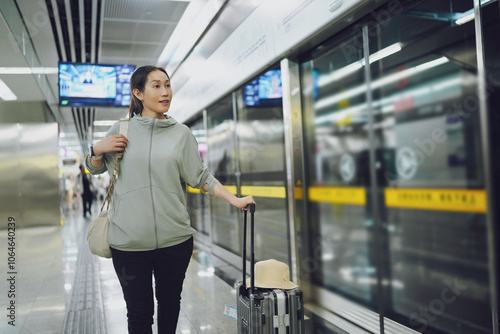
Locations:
{"points": [[101, 31], [134, 32]]}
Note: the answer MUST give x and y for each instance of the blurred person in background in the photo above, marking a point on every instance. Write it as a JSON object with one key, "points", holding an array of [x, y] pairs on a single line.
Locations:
{"points": [[85, 187], [69, 185]]}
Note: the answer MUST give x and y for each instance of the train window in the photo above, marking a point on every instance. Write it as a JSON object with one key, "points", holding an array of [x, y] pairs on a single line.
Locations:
{"points": [[222, 163], [337, 157]]}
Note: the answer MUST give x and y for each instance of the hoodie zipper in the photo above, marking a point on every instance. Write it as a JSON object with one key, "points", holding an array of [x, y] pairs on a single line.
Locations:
{"points": [[151, 183]]}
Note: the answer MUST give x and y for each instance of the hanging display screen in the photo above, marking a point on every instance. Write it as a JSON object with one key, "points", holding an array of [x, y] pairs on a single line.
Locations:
{"points": [[266, 90], [87, 84]]}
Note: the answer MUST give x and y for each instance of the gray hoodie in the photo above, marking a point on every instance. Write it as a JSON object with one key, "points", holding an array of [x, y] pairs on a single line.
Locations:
{"points": [[148, 210]]}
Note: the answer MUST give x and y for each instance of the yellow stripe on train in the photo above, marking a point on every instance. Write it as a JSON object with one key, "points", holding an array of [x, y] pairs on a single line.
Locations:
{"points": [[274, 192], [338, 195], [232, 189], [437, 199], [191, 190]]}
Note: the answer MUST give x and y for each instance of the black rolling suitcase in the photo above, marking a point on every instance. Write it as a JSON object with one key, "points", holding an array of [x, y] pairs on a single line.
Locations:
{"points": [[266, 311]]}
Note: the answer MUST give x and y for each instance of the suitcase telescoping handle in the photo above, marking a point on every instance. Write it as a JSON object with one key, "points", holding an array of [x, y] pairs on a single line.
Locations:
{"points": [[251, 208]]}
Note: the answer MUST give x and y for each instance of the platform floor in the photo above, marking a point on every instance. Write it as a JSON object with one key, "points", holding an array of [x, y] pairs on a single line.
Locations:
{"points": [[56, 286], [204, 297], [49, 267]]}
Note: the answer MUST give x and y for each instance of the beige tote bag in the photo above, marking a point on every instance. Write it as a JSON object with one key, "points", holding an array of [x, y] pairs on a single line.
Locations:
{"points": [[97, 232]]}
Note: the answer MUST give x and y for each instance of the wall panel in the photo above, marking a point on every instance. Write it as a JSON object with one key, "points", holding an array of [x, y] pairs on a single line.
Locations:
{"points": [[29, 174]]}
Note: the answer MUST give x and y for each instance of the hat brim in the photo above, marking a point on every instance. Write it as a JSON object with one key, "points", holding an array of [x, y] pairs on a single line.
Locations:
{"points": [[272, 285]]}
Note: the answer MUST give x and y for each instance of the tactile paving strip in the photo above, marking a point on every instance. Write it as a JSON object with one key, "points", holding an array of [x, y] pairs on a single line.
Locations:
{"points": [[85, 313]]}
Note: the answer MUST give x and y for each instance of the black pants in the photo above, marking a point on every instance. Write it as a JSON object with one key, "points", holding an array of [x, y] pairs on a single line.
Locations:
{"points": [[135, 271]]}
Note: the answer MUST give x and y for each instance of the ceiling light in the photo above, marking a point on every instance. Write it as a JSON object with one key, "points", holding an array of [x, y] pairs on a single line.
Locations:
{"points": [[339, 74], [326, 102], [469, 15], [28, 70], [466, 17], [386, 105], [105, 123], [15, 70], [386, 52], [351, 68], [45, 70], [5, 93]]}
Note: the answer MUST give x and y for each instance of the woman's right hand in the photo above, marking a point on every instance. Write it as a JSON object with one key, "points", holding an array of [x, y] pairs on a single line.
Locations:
{"points": [[243, 202], [113, 143]]}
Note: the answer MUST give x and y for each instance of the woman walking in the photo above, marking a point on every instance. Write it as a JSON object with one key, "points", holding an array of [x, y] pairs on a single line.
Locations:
{"points": [[150, 233]]}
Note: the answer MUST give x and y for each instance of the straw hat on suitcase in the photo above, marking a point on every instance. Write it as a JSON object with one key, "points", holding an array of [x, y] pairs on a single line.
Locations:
{"points": [[272, 274]]}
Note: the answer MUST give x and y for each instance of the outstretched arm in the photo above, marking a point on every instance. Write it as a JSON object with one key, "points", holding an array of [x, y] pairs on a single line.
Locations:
{"points": [[224, 194]]}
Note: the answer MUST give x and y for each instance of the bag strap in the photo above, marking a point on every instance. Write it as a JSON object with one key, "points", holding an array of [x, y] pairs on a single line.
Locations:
{"points": [[124, 126], [124, 122], [119, 155]]}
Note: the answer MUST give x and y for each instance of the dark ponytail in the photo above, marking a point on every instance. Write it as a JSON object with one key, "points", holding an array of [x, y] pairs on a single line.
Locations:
{"points": [[138, 81]]}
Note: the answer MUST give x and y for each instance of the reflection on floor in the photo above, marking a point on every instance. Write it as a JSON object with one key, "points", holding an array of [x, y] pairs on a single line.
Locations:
{"points": [[204, 297], [61, 288], [49, 292], [44, 271]]}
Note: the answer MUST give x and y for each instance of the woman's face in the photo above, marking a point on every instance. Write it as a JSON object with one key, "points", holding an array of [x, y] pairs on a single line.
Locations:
{"points": [[157, 95]]}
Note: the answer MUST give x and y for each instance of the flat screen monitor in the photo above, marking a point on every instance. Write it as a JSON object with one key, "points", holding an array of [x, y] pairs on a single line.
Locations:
{"points": [[87, 84], [264, 91]]}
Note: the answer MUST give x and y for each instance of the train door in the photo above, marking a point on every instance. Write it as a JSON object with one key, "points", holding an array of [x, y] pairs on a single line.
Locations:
{"points": [[260, 136], [198, 203], [431, 186], [222, 164]]}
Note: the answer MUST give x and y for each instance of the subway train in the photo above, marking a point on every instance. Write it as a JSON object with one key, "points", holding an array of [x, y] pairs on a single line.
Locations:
{"points": [[376, 184], [367, 131]]}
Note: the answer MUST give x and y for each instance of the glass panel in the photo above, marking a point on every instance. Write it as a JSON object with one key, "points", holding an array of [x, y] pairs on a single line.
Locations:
{"points": [[221, 162], [198, 203], [262, 162], [433, 205], [337, 158]]}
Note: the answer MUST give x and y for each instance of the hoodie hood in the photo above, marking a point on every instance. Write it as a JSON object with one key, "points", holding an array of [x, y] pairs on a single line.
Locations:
{"points": [[160, 123]]}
